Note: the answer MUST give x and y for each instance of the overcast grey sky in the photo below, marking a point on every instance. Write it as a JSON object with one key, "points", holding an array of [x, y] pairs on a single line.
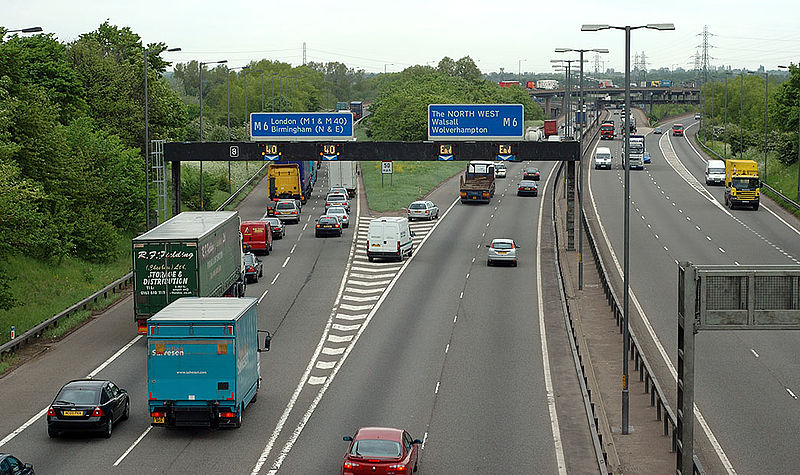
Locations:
{"points": [[371, 35]]}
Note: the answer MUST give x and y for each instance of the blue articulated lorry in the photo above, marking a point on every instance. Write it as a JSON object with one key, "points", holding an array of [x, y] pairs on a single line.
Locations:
{"points": [[203, 361]]}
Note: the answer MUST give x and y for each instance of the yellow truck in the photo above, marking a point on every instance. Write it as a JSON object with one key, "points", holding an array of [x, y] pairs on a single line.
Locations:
{"points": [[742, 185]]}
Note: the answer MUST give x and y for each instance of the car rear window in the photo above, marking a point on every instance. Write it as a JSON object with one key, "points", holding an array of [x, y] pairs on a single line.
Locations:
{"points": [[502, 245], [285, 206], [337, 211], [376, 448], [327, 220], [249, 260], [417, 206], [273, 221], [79, 396], [336, 198]]}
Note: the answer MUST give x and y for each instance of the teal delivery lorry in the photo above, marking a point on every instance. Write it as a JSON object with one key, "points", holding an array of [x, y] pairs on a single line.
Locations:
{"points": [[203, 361]]}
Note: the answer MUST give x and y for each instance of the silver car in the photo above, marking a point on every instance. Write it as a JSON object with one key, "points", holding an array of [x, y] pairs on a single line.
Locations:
{"points": [[340, 213], [423, 210], [502, 250], [337, 199]]}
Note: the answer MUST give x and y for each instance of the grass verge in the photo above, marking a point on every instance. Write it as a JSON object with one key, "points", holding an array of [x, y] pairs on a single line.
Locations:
{"points": [[410, 181], [44, 288]]}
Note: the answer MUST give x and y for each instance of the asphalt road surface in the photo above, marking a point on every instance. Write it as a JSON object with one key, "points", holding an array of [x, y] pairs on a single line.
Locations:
{"points": [[441, 345], [745, 382]]}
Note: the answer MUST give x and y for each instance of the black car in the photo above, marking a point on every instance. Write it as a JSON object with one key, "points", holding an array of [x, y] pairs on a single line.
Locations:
{"points": [[531, 174], [87, 405], [527, 187], [278, 228], [328, 226], [253, 267], [14, 466]]}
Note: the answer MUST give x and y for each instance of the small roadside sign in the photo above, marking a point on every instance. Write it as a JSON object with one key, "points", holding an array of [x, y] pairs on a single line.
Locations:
{"points": [[386, 167]]}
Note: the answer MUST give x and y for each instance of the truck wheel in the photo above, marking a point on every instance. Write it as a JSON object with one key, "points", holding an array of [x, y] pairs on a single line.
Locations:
{"points": [[238, 421]]}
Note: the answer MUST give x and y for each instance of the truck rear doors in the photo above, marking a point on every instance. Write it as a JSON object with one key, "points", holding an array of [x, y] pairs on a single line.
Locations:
{"points": [[164, 272]]}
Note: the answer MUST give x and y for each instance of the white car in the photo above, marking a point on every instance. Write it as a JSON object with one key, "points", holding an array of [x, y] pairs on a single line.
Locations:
{"points": [[502, 250], [337, 199], [500, 170], [340, 213], [423, 210]]}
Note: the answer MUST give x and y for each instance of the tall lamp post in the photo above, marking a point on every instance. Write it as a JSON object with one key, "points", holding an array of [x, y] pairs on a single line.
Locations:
{"points": [[200, 67], [229, 118], [725, 120], [519, 68], [580, 162], [626, 231], [32, 29], [147, 139], [386, 64], [798, 141]]}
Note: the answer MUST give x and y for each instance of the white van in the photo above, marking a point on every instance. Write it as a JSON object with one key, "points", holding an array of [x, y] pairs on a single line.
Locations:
{"points": [[389, 237], [715, 172], [602, 158]]}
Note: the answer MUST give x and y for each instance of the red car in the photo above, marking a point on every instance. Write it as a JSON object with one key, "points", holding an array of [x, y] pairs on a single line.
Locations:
{"points": [[381, 450]]}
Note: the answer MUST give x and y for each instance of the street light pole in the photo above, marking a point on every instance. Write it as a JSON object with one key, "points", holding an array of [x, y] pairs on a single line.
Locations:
{"points": [[519, 68], [580, 162], [626, 230], [229, 119], [146, 138], [741, 113], [725, 124], [200, 67]]}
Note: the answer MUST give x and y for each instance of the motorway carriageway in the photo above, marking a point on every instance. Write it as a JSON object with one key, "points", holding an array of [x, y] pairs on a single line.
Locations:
{"points": [[441, 345], [746, 382]]}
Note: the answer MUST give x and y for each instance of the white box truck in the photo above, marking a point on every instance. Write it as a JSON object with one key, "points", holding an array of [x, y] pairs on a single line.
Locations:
{"points": [[341, 173]]}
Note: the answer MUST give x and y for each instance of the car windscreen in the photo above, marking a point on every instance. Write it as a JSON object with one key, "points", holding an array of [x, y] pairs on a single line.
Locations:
{"points": [[376, 448], [603, 156], [417, 206], [285, 206], [745, 184], [716, 171], [79, 396], [249, 260], [502, 245], [527, 183]]}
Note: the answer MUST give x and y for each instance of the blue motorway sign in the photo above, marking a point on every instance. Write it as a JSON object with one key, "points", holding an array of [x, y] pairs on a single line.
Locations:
{"points": [[476, 122], [301, 126]]}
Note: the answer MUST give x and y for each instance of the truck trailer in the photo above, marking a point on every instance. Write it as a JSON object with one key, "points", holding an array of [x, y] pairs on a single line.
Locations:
{"points": [[203, 365], [194, 254], [289, 180], [478, 182], [343, 173], [550, 127]]}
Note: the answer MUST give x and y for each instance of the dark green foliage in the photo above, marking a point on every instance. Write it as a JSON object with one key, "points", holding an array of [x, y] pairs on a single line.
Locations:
{"points": [[401, 110], [190, 188], [71, 140]]}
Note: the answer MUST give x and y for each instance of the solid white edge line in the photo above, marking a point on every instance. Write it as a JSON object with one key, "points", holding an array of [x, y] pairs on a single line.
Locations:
{"points": [[312, 407], [41, 413], [548, 380], [133, 445], [797, 231], [702, 420]]}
